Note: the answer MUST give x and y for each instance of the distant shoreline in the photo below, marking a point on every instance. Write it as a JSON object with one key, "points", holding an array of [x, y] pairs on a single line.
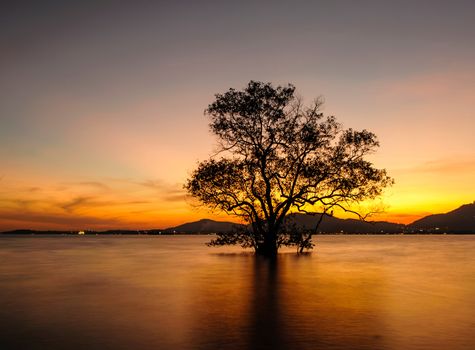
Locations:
{"points": [[164, 233], [458, 221]]}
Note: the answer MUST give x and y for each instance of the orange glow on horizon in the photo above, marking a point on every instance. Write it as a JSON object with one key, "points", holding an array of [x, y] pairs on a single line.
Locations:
{"points": [[50, 203]]}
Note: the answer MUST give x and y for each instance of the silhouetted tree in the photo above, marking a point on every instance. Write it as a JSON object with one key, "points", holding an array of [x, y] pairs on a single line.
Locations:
{"points": [[277, 157]]}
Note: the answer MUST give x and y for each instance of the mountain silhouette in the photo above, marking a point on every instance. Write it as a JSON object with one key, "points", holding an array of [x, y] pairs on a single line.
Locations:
{"points": [[331, 224], [203, 226], [302, 221], [460, 220]]}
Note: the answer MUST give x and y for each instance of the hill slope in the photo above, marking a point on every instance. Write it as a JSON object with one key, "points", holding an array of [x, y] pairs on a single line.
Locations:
{"points": [[328, 225], [332, 224], [203, 226], [460, 220]]}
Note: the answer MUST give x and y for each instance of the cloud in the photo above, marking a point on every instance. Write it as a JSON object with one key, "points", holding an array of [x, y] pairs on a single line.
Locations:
{"points": [[34, 189], [175, 197], [166, 192], [136, 202], [155, 184], [95, 184], [35, 220], [96, 203], [75, 203], [20, 203]]}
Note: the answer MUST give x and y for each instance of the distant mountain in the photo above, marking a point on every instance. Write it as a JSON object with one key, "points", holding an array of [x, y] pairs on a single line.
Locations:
{"points": [[203, 226], [331, 224], [32, 232], [460, 220], [87, 232]]}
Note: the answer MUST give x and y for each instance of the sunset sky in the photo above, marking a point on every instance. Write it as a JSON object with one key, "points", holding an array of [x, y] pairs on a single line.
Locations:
{"points": [[101, 103]]}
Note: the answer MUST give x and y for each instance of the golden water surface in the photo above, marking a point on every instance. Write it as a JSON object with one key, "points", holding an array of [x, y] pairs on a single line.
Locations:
{"points": [[173, 292]]}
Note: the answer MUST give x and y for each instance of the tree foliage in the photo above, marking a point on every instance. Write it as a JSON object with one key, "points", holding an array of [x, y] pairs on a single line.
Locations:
{"points": [[278, 156]]}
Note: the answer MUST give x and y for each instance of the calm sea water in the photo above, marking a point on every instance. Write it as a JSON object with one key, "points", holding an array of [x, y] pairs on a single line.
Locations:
{"points": [[353, 292]]}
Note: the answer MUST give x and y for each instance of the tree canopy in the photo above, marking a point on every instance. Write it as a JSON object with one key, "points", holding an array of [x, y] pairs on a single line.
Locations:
{"points": [[278, 156]]}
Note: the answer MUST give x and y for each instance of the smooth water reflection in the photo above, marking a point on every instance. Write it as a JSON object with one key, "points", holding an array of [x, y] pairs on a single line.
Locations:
{"points": [[354, 292]]}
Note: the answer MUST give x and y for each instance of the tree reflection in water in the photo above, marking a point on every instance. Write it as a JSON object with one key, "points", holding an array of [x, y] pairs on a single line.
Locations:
{"points": [[289, 303]]}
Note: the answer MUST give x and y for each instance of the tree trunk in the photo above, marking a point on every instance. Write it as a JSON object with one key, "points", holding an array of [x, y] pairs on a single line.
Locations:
{"points": [[269, 246]]}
